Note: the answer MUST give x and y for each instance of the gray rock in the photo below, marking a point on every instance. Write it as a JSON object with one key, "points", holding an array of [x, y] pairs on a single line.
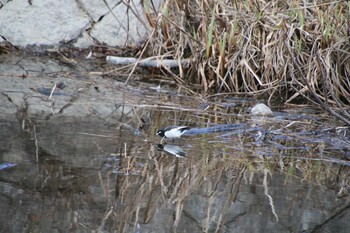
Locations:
{"points": [[84, 41], [42, 23], [7, 106], [97, 9], [124, 26], [51, 22], [261, 109], [27, 83]]}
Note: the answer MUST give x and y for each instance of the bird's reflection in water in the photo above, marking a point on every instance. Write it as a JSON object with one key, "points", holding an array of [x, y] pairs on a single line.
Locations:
{"points": [[172, 150]]}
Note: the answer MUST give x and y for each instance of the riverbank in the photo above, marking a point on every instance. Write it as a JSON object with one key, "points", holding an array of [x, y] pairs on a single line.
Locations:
{"points": [[293, 53]]}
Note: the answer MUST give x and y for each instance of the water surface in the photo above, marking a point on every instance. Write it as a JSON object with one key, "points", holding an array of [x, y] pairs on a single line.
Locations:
{"points": [[108, 173]]}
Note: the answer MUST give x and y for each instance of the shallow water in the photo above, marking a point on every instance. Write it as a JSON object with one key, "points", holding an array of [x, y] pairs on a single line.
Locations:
{"points": [[86, 176], [100, 174]]}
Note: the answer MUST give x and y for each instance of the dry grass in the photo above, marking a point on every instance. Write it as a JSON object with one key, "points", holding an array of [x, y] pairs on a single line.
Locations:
{"points": [[295, 50]]}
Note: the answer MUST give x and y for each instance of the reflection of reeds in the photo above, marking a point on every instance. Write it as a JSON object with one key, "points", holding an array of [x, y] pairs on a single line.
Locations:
{"points": [[175, 185], [152, 187], [178, 181]]}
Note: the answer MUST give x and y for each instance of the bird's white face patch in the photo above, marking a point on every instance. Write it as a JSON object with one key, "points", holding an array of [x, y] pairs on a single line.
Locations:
{"points": [[172, 132]]}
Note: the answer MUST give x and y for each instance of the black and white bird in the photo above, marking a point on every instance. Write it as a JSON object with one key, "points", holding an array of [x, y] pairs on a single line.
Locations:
{"points": [[172, 132]]}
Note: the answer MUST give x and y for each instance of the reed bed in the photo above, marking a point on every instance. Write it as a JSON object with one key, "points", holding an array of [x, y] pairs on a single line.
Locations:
{"points": [[292, 51]]}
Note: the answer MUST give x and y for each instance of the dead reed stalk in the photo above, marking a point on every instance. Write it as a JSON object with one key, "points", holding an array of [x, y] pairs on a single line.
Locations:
{"points": [[295, 50]]}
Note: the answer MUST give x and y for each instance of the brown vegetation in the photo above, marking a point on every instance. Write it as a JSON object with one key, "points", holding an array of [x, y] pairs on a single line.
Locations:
{"points": [[293, 50]]}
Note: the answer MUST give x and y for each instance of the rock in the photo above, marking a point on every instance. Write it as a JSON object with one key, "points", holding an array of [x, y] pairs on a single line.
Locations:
{"points": [[261, 109], [42, 22], [53, 23], [7, 104], [97, 9], [125, 26], [84, 41], [29, 95]]}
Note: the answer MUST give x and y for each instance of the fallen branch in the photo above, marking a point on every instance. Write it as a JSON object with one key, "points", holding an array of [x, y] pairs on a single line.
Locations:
{"points": [[148, 62]]}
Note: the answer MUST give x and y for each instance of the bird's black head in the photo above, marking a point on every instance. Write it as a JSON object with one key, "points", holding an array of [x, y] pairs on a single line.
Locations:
{"points": [[160, 133]]}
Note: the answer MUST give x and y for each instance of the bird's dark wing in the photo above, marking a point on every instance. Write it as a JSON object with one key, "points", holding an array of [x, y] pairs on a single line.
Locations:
{"points": [[184, 128]]}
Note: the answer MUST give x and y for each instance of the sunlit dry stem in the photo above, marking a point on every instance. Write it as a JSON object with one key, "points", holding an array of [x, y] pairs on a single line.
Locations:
{"points": [[148, 62]]}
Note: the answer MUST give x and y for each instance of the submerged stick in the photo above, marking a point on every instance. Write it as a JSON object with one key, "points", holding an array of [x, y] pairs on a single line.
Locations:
{"points": [[148, 62]]}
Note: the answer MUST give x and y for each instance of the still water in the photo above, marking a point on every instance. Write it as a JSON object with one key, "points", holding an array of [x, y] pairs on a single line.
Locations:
{"points": [[99, 176], [99, 167]]}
